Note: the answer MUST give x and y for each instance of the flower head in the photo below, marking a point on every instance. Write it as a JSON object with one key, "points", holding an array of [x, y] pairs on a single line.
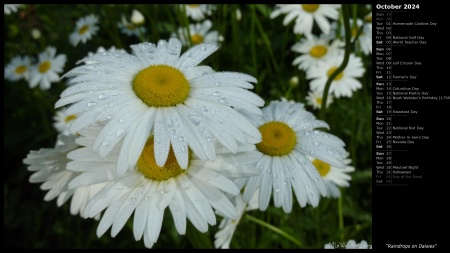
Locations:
{"points": [[10, 8], [314, 99], [344, 83], [85, 28], [135, 27], [306, 15], [364, 42], [155, 91], [18, 68], [47, 69], [289, 135], [49, 167], [200, 33], [198, 11], [62, 121], [193, 193]]}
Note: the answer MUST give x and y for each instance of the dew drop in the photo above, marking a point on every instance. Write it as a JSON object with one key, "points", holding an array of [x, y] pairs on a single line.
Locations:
{"points": [[209, 139], [121, 120], [218, 83], [274, 175], [106, 143], [316, 143], [196, 120], [307, 186], [147, 198], [316, 131], [223, 101], [101, 96], [119, 187], [120, 132], [90, 104], [277, 189], [181, 138], [216, 93], [204, 109], [203, 47], [109, 116], [170, 123]]}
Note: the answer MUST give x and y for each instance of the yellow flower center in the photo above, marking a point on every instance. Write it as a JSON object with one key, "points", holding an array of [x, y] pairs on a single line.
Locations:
{"points": [[196, 39], [322, 167], [310, 7], [355, 32], [130, 27], [147, 164], [319, 101], [318, 51], [161, 85], [21, 69], [83, 29], [193, 5], [70, 118], [278, 139], [331, 71], [368, 19], [44, 66]]}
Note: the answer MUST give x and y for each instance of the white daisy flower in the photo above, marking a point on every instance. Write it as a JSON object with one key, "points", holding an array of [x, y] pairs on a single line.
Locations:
{"points": [[135, 27], [306, 15], [111, 49], [62, 121], [351, 244], [48, 68], [289, 135], [315, 49], [10, 8], [198, 11], [200, 33], [314, 99], [85, 28], [49, 167], [157, 92], [18, 68], [364, 42], [192, 193], [344, 83], [334, 177], [228, 226]]}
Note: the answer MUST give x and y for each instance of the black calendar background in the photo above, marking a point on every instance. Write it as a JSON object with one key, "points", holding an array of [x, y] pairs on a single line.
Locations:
{"points": [[413, 212]]}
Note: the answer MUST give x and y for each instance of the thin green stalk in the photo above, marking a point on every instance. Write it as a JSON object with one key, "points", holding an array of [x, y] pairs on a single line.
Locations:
{"points": [[341, 217], [274, 229], [184, 20], [252, 41], [346, 18]]}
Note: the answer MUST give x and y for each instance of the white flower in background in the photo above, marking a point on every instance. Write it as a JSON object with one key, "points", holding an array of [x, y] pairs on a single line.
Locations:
{"points": [[198, 12], [18, 68], [62, 121], [334, 177], [193, 193], [85, 28], [135, 27], [314, 99], [315, 49], [364, 42], [306, 15], [200, 33], [10, 8], [47, 69], [351, 244], [238, 15], [35, 33], [155, 91], [345, 83], [228, 226], [289, 135], [49, 167]]}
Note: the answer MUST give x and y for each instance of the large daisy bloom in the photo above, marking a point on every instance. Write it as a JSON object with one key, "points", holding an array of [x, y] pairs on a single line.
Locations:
{"points": [[200, 33], [49, 167], [334, 177], [18, 68], [193, 193], [47, 69], [228, 226], [345, 83], [85, 28], [62, 121], [315, 49], [306, 15], [157, 92], [289, 135], [198, 11]]}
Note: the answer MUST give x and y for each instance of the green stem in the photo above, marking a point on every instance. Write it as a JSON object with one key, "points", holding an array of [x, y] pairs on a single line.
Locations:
{"points": [[274, 229], [341, 217], [346, 18]]}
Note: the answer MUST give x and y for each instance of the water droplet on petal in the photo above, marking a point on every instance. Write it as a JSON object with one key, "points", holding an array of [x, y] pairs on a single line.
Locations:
{"points": [[216, 93], [170, 123], [209, 139], [203, 47], [90, 104], [181, 138], [307, 186], [106, 143], [316, 143], [218, 83], [120, 132], [101, 96], [196, 120], [277, 189], [121, 120], [223, 101]]}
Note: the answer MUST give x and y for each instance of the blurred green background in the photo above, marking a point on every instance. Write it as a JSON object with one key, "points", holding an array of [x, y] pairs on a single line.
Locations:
{"points": [[256, 45]]}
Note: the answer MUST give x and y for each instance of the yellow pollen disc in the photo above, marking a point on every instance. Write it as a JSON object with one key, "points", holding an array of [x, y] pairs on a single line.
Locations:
{"points": [[331, 71], [131, 27], [193, 5], [368, 19], [318, 51], [147, 164], [161, 85], [83, 29], [196, 39], [278, 139], [70, 117], [44, 67], [322, 167], [355, 31], [319, 101], [310, 7], [21, 69]]}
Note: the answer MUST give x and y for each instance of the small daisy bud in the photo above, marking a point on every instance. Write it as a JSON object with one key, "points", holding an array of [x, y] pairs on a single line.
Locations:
{"points": [[35, 33], [137, 18], [293, 82]]}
